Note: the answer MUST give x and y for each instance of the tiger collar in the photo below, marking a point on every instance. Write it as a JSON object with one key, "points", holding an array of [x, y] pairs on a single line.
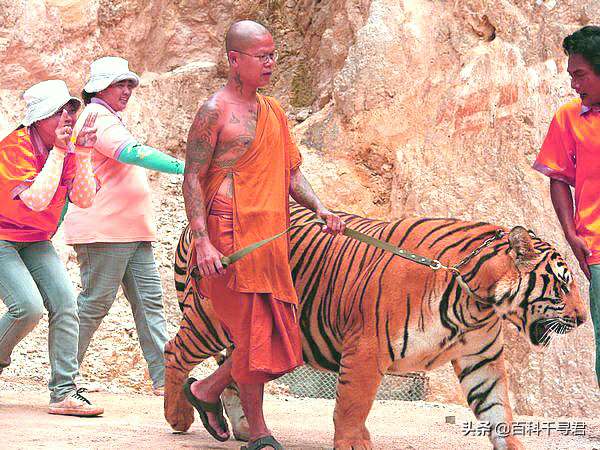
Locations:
{"points": [[455, 269]]}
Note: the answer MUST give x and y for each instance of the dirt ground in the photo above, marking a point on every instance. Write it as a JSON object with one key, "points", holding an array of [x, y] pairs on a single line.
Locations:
{"points": [[135, 421]]}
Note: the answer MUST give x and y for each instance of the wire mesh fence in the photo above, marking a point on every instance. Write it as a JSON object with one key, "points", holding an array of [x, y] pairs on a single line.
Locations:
{"points": [[308, 382]]}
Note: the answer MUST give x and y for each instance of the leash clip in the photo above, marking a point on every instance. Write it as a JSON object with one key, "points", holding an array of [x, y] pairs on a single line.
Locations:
{"points": [[436, 265]]}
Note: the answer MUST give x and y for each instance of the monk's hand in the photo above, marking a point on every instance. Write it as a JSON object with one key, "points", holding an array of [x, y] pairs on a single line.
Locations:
{"points": [[581, 252], [208, 259], [334, 223]]}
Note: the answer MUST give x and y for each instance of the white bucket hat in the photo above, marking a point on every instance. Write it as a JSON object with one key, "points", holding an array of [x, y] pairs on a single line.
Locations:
{"points": [[106, 71], [46, 98]]}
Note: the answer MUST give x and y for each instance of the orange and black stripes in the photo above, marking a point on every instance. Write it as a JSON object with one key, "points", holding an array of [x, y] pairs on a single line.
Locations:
{"points": [[364, 312], [343, 284]]}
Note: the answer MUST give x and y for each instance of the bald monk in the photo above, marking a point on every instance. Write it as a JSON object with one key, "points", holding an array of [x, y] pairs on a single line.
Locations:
{"points": [[241, 166]]}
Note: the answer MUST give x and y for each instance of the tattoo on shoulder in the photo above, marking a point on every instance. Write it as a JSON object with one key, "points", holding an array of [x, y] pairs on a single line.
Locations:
{"points": [[202, 135], [200, 146]]}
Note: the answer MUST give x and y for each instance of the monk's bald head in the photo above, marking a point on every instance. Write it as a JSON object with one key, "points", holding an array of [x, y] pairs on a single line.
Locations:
{"points": [[243, 34]]}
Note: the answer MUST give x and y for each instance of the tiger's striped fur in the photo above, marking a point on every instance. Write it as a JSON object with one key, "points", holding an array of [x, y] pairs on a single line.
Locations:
{"points": [[364, 312]]}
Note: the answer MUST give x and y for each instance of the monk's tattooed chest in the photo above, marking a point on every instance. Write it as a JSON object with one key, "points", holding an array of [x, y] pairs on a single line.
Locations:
{"points": [[236, 137]]}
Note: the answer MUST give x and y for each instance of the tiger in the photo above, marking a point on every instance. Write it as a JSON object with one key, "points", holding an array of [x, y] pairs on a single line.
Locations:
{"points": [[365, 312]]}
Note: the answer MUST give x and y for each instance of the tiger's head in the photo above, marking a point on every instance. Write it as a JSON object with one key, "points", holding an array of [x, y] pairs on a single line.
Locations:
{"points": [[534, 288]]}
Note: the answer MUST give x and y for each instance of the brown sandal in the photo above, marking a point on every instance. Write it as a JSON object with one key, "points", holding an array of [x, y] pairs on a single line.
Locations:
{"points": [[265, 441], [204, 407]]}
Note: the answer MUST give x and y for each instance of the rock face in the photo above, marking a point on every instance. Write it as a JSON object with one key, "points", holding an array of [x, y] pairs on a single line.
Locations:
{"points": [[404, 108], [425, 88]]}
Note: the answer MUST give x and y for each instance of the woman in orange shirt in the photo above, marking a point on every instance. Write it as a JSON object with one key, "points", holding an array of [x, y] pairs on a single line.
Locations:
{"points": [[39, 167]]}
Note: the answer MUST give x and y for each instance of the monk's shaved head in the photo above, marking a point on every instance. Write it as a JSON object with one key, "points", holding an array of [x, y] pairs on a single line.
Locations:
{"points": [[243, 33]]}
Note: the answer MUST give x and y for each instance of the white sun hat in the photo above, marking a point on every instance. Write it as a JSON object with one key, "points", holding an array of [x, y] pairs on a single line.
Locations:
{"points": [[46, 98], [108, 70]]}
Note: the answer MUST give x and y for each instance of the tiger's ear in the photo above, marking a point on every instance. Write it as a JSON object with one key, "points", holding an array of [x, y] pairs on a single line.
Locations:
{"points": [[521, 244]]}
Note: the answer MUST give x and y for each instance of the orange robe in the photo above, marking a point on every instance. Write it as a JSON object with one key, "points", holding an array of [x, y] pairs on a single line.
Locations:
{"points": [[256, 300]]}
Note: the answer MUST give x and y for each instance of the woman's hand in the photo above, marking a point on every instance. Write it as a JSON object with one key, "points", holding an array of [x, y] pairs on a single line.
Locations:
{"points": [[87, 136], [63, 131]]}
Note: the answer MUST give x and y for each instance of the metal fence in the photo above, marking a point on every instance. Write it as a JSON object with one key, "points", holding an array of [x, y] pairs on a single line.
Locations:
{"points": [[308, 382]]}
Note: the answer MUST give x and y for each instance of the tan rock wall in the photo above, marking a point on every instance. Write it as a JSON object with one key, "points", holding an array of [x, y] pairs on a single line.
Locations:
{"points": [[445, 104], [414, 107]]}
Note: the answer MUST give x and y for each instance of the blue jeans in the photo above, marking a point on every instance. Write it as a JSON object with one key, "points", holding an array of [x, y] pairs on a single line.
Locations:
{"points": [[595, 312], [32, 277], [106, 266]]}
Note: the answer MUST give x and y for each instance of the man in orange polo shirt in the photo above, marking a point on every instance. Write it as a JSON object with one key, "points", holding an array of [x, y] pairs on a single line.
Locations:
{"points": [[570, 156]]}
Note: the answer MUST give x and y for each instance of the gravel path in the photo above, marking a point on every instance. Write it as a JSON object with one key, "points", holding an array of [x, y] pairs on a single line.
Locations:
{"points": [[136, 421]]}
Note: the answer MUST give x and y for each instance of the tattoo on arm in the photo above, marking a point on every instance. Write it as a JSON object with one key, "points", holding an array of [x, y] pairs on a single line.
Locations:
{"points": [[302, 191], [201, 143]]}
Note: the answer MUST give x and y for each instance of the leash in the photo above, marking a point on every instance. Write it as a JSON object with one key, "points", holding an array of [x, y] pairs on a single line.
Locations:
{"points": [[455, 269], [433, 264], [234, 257]]}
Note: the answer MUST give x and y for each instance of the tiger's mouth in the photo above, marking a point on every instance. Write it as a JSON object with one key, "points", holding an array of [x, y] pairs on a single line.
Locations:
{"points": [[542, 330]]}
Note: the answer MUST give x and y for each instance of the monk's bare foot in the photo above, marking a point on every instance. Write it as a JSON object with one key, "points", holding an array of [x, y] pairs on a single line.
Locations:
{"points": [[201, 392]]}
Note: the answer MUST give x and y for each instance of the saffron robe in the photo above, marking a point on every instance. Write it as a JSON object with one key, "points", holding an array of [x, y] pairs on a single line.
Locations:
{"points": [[264, 330], [261, 184], [255, 300]]}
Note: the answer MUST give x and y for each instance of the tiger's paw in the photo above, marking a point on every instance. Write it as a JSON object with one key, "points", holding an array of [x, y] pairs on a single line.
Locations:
{"points": [[352, 444], [178, 411], [233, 408]]}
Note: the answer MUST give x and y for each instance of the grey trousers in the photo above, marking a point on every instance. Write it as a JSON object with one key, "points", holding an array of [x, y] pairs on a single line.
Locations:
{"points": [[106, 266], [32, 277]]}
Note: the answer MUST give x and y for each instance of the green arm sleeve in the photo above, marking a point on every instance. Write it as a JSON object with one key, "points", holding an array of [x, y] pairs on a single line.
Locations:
{"points": [[63, 213], [150, 158]]}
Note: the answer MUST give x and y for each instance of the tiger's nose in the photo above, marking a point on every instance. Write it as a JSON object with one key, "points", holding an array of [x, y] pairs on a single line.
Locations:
{"points": [[579, 318]]}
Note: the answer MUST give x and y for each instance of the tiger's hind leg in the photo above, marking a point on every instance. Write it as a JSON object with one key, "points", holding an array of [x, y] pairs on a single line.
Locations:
{"points": [[360, 376], [233, 406], [200, 336]]}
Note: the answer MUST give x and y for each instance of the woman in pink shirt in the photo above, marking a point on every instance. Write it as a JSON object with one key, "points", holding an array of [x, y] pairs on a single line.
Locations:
{"points": [[113, 237]]}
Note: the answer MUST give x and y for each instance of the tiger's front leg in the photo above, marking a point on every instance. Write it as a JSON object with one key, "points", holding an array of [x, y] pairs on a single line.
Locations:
{"points": [[484, 382], [358, 382]]}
